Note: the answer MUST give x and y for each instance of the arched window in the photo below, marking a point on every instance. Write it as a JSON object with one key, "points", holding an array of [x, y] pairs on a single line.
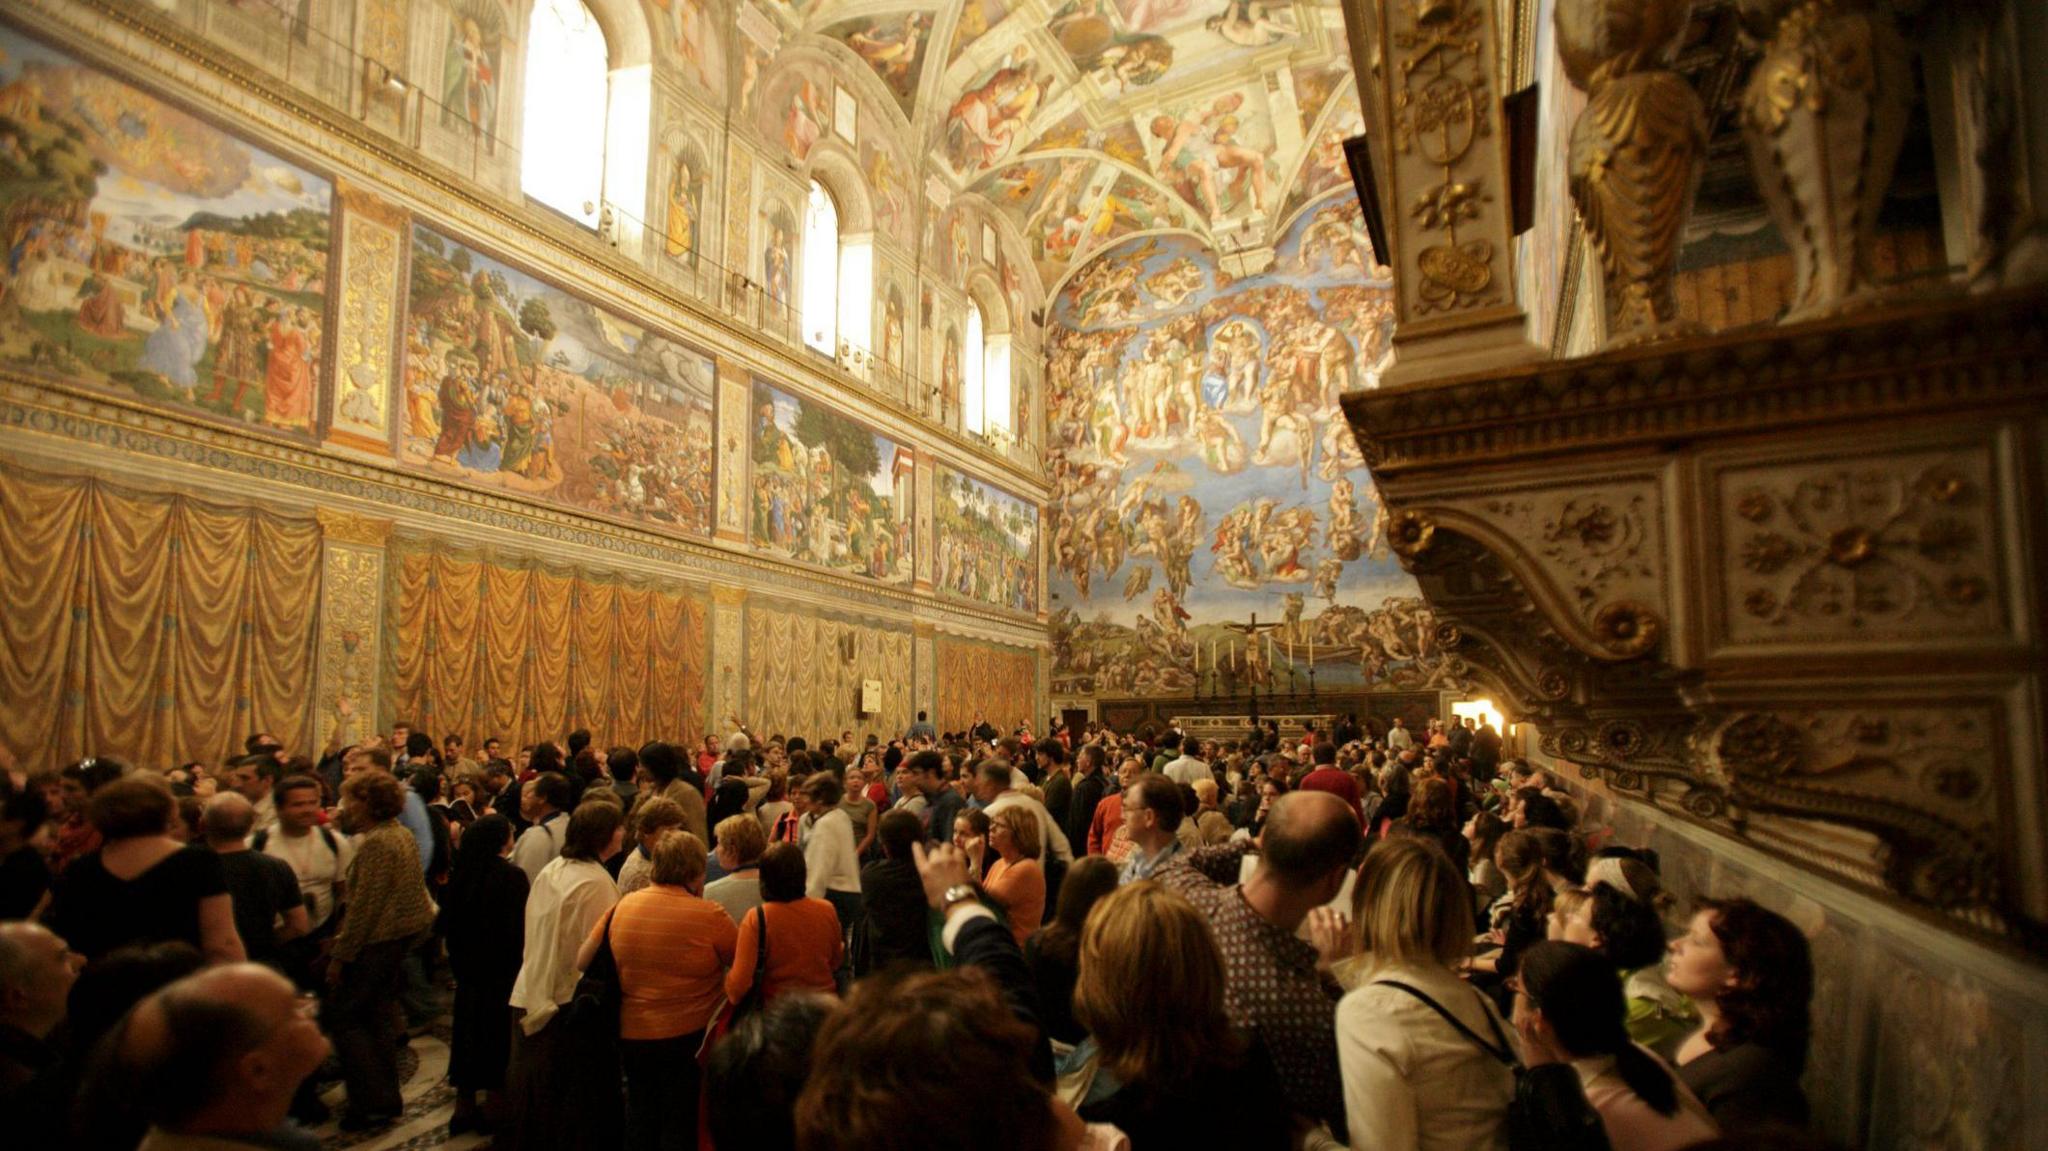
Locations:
{"points": [[972, 413], [986, 406], [821, 271], [583, 144]]}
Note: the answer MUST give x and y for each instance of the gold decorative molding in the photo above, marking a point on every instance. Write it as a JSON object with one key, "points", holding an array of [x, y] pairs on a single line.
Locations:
{"points": [[348, 528], [1777, 583]]}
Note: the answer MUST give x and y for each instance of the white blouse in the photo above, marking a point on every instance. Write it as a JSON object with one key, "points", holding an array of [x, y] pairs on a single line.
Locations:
{"points": [[568, 897], [1411, 1081], [830, 861]]}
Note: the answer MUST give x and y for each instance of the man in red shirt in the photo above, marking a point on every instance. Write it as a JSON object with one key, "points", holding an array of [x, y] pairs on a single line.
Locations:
{"points": [[1327, 777]]}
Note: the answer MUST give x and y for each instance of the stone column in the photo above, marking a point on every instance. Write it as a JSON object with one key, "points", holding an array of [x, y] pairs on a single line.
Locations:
{"points": [[735, 441]]}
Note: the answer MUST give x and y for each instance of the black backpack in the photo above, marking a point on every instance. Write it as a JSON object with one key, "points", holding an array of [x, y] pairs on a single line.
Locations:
{"points": [[1549, 1111]]}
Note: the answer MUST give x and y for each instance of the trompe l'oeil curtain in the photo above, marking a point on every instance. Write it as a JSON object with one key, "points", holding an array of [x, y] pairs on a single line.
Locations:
{"points": [[153, 626], [483, 644], [993, 682]]}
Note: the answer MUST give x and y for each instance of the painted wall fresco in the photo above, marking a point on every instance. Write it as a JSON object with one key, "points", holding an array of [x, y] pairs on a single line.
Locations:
{"points": [[894, 46], [472, 65], [987, 543], [828, 490], [513, 383], [688, 32], [804, 669], [984, 681], [152, 253], [1203, 473]]}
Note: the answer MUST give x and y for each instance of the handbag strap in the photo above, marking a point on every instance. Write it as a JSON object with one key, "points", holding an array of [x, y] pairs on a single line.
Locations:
{"points": [[1505, 1053], [760, 949]]}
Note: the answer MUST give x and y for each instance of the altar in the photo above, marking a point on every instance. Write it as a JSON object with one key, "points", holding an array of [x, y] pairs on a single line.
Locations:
{"points": [[1224, 728]]}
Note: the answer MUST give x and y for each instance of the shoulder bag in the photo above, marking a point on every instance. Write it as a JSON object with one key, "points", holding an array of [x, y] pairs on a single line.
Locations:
{"points": [[1549, 1111]]}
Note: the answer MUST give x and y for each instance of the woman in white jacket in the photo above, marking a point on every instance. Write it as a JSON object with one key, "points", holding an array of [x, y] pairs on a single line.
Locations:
{"points": [[1425, 1057]]}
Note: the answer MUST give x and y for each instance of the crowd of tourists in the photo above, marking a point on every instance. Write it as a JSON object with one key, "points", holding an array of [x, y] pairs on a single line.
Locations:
{"points": [[1365, 938]]}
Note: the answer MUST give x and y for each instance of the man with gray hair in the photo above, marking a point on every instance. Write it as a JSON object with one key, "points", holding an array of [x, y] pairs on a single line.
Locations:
{"points": [[214, 1059], [269, 910]]}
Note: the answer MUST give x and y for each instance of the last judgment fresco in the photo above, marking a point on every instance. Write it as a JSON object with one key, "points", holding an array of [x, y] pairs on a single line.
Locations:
{"points": [[1203, 473]]}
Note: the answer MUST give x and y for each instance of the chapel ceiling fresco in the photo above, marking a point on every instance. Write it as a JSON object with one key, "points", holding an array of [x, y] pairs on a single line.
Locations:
{"points": [[1085, 122]]}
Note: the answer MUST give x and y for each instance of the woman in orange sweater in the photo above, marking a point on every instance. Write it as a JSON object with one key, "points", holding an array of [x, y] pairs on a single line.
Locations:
{"points": [[1015, 879], [804, 943]]}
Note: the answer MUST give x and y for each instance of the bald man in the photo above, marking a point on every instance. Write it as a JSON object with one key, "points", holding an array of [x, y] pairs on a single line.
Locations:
{"points": [[215, 1057], [268, 907], [37, 970], [1274, 983]]}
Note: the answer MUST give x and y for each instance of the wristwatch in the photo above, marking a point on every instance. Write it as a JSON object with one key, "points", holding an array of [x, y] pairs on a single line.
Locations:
{"points": [[958, 893]]}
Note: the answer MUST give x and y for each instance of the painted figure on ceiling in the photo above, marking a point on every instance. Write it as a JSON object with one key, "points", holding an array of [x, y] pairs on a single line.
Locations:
{"points": [[984, 122]]}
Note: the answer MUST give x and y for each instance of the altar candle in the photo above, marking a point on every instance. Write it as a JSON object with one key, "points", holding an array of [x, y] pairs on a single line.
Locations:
{"points": [[1311, 655]]}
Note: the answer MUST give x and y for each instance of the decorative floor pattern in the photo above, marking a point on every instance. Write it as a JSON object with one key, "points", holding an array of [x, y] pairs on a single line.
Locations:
{"points": [[429, 1101]]}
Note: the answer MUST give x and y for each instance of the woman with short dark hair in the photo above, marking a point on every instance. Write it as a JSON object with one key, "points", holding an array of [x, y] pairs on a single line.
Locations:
{"points": [[141, 885], [560, 1099], [801, 935]]}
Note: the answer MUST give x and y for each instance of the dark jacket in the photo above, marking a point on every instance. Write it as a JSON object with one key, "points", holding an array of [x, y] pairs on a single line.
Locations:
{"points": [[987, 944], [896, 922], [1088, 793]]}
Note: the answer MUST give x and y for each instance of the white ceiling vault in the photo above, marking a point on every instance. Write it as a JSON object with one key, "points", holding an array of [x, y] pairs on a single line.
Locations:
{"points": [[1086, 122]]}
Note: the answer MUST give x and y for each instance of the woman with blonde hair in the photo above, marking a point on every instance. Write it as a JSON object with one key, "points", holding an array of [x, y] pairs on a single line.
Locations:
{"points": [[1150, 993], [1427, 1062], [1015, 879]]}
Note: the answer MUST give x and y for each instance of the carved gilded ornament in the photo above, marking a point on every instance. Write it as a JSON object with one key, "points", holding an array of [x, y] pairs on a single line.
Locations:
{"points": [[1410, 533], [1635, 153], [346, 527], [1897, 547], [1824, 117], [351, 590], [1917, 777], [371, 256], [1442, 100]]}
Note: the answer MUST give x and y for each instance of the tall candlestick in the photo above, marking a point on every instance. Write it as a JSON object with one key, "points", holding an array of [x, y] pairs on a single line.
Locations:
{"points": [[1311, 654]]}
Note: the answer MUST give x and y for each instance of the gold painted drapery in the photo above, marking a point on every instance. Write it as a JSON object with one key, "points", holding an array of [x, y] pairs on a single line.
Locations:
{"points": [[153, 626], [484, 643], [985, 679], [804, 672]]}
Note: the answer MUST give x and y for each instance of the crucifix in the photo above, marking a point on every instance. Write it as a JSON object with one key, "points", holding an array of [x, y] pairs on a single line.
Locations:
{"points": [[1251, 662]]}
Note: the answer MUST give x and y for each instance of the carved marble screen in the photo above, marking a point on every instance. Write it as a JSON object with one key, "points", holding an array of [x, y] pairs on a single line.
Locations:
{"points": [[804, 671]]}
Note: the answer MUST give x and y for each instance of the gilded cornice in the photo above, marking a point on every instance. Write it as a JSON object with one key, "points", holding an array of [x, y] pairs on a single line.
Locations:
{"points": [[347, 528], [30, 405], [276, 113], [1921, 358]]}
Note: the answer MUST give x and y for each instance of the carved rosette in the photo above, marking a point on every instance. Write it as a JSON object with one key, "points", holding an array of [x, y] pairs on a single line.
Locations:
{"points": [[1824, 117], [1635, 153]]}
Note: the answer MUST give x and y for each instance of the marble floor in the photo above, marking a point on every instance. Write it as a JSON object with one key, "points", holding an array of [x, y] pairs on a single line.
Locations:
{"points": [[429, 1101]]}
